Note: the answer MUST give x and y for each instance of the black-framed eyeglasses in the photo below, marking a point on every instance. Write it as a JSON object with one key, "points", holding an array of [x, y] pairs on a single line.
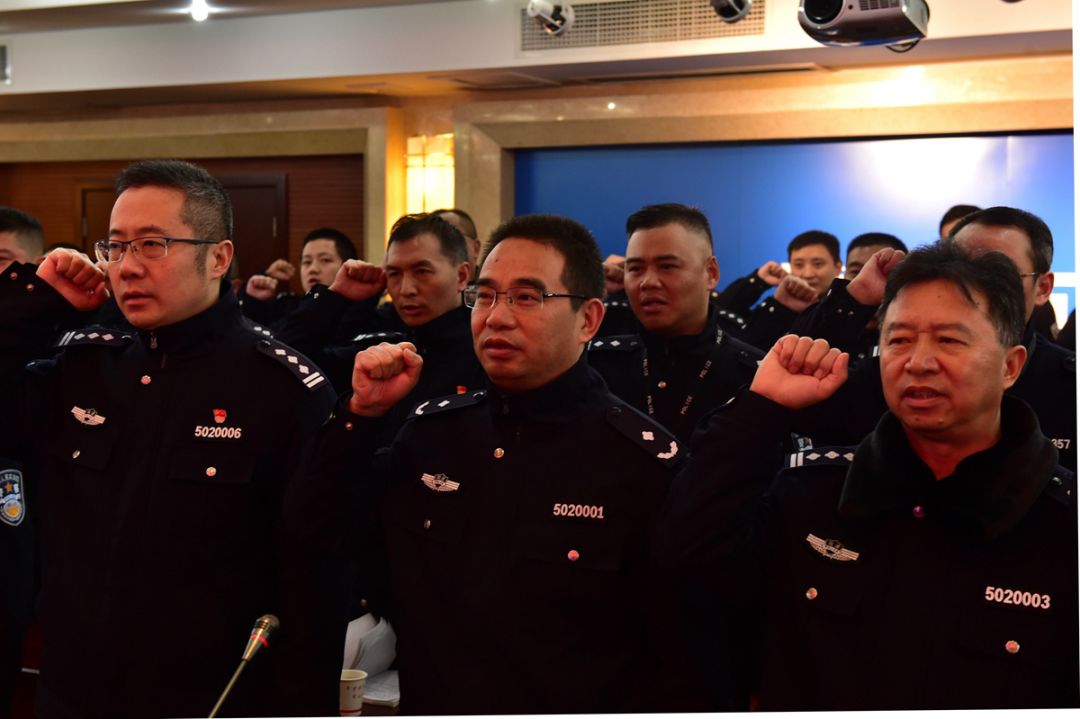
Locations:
{"points": [[518, 298], [147, 248], [1029, 274]]}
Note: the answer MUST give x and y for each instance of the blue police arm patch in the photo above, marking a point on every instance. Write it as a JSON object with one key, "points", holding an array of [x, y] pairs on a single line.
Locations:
{"points": [[300, 366], [12, 501], [623, 343], [648, 435], [447, 403]]}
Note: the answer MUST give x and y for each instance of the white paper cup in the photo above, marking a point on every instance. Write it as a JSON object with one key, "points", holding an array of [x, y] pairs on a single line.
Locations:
{"points": [[352, 692]]}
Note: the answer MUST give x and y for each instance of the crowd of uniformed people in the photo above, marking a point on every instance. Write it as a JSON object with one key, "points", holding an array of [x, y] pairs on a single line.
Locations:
{"points": [[572, 485]]}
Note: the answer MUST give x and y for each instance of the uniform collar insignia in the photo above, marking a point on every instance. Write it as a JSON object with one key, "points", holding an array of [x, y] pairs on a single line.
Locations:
{"points": [[88, 416], [831, 549]]}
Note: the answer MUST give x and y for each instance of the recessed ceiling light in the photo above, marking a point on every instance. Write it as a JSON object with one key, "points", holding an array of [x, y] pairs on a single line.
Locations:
{"points": [[199, 10]]}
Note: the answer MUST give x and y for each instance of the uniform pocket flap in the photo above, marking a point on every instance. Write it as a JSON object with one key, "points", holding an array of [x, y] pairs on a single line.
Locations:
{"points": [[575, 544]]}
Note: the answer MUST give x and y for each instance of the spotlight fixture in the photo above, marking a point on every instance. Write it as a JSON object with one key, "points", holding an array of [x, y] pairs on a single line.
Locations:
{"points": [[555, 17], [731, 10]]}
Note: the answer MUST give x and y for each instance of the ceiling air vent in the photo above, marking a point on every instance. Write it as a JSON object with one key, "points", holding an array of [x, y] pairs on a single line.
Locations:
{"points": [[631, 22]]}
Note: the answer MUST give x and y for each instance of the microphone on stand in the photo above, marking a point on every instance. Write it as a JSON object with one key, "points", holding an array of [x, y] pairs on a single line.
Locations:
{"points": [[264, 628]]}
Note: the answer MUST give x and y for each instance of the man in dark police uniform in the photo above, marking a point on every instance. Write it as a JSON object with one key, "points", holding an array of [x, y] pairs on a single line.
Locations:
{"points": [[932, 567], [517, 518], [160, 474], [685, 360], [1048, 380]]}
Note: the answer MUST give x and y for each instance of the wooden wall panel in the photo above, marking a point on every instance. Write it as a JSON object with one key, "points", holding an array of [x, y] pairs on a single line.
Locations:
{"points": [[322, 191]]}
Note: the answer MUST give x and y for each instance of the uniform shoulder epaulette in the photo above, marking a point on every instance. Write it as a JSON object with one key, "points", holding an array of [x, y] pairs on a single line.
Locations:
{"points": [[95, 336], [623, 343], [645, 433], [729, 316], [369, 337], [821, 457], [449, 402], [1061, 486], [257, 329], [300, 366]]}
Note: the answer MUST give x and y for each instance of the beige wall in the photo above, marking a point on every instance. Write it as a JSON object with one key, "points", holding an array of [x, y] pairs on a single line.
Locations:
{"points": [[1029, 93]]}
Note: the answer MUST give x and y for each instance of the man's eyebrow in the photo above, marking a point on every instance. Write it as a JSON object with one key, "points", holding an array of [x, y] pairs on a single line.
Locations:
{"points": [[937, 327], [517, 282], [658, 258], [144, 231], [419, 263]]}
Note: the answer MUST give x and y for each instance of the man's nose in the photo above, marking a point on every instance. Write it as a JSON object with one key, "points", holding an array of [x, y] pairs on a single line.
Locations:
{"points": [[130, 263], [923, 356]]}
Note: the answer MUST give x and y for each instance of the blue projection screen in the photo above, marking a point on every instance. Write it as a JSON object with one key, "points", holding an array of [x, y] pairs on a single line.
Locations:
{"points": [[759, 195]]}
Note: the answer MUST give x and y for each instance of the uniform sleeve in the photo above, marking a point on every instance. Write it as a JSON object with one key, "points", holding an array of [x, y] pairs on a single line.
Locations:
{"points": [[839, 319], [769, 322], [29, 312], [740, 295], [315, 589], [711, 532]]}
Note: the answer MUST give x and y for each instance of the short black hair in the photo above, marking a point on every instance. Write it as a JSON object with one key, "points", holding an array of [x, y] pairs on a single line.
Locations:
{"points": [[468, 227], [27, 230], [583, 273], [876, 239], [451, 241], [653, 216], [993, 275], [207, 209], [345, 248], [815, 237], [1040, 240], [955, 213]]}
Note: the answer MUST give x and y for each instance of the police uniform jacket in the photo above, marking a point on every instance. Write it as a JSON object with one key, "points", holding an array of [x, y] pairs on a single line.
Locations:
{"points": [[517, 530], [163, 475], [17, 588], [662, 376], [884, 587], [1047, 384]]}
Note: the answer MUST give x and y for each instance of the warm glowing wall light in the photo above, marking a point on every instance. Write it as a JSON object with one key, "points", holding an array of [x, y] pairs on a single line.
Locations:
{"points": [[429, 172]]}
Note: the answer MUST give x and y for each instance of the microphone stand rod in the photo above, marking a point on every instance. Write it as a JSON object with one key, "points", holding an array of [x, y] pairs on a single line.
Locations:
{"points": [[221, 699]]}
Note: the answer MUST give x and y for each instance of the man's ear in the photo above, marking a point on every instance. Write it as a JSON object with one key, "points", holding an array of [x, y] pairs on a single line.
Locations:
{"points": [[221, 256], [464, 272], [712, 269], [1015, 357], [1044, 285], [592, 314]]}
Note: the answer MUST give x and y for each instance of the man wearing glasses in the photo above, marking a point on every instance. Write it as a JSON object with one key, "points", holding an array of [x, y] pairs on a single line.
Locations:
{"points": [[163, 474], [517, 518]]}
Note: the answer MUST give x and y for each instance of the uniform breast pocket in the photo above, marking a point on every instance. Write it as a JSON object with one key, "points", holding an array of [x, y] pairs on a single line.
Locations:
{"points": [[577, 545], [213, 466], [439, 518], [208, 500], [80, 447]]}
